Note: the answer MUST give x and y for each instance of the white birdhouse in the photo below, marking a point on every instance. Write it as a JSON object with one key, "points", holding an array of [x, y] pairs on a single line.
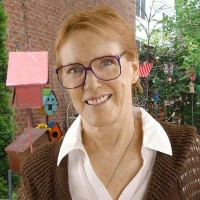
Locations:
{"points": [[191, 85]]}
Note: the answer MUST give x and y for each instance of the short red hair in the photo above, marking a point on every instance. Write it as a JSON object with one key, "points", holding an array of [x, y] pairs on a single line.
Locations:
{"points": [[102, 20]]}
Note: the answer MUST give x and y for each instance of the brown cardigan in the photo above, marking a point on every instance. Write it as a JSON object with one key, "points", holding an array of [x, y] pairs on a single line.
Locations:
{"points": [[174, 177]]}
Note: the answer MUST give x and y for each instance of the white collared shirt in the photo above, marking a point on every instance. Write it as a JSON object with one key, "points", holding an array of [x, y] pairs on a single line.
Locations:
{"points": [[84, 183]]}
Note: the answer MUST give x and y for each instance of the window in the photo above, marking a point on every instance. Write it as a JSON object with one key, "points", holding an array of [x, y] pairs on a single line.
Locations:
{"points": [[140, 8]]}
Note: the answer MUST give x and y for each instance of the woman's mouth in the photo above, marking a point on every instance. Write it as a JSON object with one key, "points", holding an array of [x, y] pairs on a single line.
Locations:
{"points": [[99, 100]]}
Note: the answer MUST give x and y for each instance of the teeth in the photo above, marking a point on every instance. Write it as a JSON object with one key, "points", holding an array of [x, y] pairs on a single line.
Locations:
{"points": [[98, 101], [94, 102]]}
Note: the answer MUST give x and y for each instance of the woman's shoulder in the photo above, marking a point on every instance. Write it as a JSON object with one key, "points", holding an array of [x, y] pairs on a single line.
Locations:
{"points": [[42, 157], [183, 138], [38, 172], [174, 130]]}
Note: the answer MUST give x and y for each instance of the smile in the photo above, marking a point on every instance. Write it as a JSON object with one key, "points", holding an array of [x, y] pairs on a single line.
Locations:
{"points": [[99, 100]]}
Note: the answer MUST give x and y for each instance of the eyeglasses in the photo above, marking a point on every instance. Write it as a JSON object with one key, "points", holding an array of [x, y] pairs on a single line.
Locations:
{"points": [[105, 68]]}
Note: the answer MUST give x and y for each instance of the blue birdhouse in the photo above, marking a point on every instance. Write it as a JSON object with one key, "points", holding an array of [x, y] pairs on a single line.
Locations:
{"points": [[50, 102], [156, 96]]}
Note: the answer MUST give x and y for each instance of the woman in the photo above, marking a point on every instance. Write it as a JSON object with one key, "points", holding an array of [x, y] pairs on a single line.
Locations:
{"points": [[112, 150]]}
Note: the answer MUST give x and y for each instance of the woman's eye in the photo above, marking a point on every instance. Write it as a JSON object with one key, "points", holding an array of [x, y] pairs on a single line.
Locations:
{"points": [[72, 71], [75, 70], [106, 62]]}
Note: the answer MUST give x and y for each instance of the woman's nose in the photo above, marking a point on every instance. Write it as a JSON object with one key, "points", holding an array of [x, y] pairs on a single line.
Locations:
{"points": [[91, 80]]}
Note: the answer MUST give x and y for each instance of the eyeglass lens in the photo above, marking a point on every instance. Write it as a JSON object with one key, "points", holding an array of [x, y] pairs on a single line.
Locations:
{"points": [[106, 68]]}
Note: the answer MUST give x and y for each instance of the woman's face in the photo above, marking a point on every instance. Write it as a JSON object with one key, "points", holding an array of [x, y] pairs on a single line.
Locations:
{"points": [[82, 47]]}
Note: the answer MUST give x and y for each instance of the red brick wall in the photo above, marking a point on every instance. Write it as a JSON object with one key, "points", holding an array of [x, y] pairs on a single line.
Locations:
{"points": [[32, 25]]}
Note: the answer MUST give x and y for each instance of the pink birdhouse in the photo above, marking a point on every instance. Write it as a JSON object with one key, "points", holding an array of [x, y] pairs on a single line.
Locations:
{"points": [[28, 73]]}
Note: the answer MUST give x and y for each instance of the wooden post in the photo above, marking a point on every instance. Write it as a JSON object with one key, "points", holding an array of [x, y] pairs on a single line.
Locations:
{"points": [[29, 128]]}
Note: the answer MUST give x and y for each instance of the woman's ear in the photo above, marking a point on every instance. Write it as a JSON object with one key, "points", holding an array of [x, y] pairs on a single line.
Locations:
{"points": [[135, 71]]}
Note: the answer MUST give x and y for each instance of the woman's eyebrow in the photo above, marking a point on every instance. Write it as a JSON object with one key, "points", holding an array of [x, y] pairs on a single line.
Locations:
{"points": [[90, 60]]}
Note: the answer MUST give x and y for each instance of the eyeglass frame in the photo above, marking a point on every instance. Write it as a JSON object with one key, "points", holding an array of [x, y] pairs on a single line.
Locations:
{"points": [[90, 68]]}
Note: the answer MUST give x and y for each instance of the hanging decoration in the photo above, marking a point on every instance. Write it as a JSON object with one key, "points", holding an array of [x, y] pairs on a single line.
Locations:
{"points": [[50, 102], [191, 72], [156, 95], [54, 131], [165, 69], [157, 58], [171, 68], [155, 109], [145, 69], [191, 85]]}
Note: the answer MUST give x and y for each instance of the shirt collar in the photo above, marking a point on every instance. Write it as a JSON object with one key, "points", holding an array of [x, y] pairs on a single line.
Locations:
{"points": [[154, 136], [72, 140]]}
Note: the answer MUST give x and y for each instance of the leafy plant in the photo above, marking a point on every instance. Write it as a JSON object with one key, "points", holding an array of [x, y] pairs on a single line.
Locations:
{"points": [[176, 43], [184, 29], [6, 121]]}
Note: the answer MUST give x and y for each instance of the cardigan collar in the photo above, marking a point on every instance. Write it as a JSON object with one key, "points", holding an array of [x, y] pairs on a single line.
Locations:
{"points": [[166, 169]]}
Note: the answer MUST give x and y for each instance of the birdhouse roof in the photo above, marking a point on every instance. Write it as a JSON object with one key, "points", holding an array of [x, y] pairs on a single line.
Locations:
{"points": [[51, 124], [191, 83], [46, 93], [27, 68]]}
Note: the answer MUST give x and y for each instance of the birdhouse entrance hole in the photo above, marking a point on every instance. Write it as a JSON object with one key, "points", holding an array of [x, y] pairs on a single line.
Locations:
{"points": [[50, 107], [55, 134]]}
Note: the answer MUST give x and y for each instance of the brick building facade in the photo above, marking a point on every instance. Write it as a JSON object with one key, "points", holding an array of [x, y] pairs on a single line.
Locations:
{"points": [[32, 26]]}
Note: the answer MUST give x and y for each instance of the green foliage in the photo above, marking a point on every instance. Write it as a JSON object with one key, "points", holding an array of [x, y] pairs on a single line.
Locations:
{"points": [[185, 31], [3, 188], [15, 195], [6, 121], [178, 42]]}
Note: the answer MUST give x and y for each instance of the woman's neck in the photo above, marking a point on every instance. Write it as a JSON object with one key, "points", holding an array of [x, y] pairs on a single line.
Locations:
{"points": [[110, 137]]}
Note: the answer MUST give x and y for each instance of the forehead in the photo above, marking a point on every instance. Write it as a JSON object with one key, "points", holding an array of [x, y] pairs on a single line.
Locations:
{"points": [[83, 46]]}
